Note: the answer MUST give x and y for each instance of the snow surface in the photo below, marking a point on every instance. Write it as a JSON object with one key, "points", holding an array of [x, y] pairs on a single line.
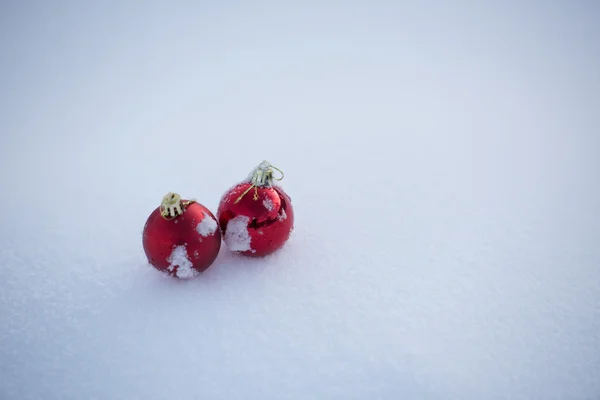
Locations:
{"points": [[442, 158], [207, 226]]}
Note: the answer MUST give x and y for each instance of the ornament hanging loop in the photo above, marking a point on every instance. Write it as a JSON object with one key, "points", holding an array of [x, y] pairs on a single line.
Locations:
{"points": [[172, 206], [263, 174], [278, 170]]}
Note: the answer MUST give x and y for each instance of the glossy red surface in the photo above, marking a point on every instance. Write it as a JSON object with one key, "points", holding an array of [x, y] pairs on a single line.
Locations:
{"points": [[270, 217], [162, 236]]}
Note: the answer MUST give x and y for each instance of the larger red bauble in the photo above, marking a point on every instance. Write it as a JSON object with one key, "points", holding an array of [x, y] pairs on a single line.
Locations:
{"points": [[182, 244], [256, 217]]}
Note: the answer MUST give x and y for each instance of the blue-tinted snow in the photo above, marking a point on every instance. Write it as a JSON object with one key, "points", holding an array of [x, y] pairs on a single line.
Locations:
{"points": [[443, 166]]}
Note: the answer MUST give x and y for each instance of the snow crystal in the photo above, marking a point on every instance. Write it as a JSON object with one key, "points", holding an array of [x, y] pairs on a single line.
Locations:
{"points": [[237, 237], [268, 203], [179, 258], [207, 226]]}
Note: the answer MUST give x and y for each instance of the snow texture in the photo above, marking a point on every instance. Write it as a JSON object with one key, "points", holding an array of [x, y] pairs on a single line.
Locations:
{"points": [[443, 163], [236, 235], [282, 215], [268, 203], [207, 227], [179, 259]]}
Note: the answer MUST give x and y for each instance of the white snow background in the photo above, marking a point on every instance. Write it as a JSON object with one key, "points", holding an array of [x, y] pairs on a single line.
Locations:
{"points": [[442, 159]]}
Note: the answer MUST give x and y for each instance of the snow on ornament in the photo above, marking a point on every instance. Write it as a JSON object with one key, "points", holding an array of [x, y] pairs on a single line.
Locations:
{"points": [[256, 215], [181, 237]]}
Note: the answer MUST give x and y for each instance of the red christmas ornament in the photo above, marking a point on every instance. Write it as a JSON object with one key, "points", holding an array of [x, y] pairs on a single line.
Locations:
{"points": [[181, 237], [256, 217]]}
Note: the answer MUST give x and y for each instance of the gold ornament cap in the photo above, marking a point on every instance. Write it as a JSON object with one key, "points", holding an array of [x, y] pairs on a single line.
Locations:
{"points": [[261, 176], [171, 205]]}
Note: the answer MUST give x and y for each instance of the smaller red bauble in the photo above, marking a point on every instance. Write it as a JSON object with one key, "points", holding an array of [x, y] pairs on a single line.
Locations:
{"points": [[181, 237], [256, 216]]}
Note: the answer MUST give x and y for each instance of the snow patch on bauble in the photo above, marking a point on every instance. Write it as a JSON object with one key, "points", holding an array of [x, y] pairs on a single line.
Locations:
{"points": [[237, 237], [282, 216], [179, 258], [207, 227], [268, 203]]}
